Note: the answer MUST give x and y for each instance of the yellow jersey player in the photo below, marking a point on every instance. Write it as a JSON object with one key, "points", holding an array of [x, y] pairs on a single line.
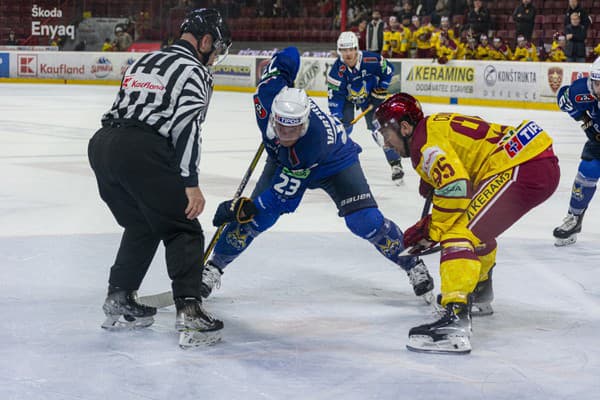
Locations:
{"points": [[482, 178]]}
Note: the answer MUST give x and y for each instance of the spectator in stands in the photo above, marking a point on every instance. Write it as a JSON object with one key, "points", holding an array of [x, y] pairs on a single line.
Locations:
{"points": [[500, 50], [107, 45], [443, 8], [460, 7], [525, 50], [524, 17], [484, 48], [446, 48], [123, 39], [407, 11], [374, 39], [466, 45], [326, 8], [392, 39], [424, 46], [575, 33], [479, 18], [426, 7], [80, 46], [12, 39], [360, 29], [575, 7], [557, 52]]}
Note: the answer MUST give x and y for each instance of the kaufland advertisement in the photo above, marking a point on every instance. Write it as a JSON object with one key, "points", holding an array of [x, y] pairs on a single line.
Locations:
{"points": [[499, 81]]}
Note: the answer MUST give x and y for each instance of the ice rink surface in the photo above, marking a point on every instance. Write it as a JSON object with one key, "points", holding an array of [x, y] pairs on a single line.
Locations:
{"points": [[310, 311]]}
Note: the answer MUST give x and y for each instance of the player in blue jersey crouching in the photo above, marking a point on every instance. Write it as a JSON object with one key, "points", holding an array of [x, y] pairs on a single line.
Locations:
{"points": [[307, 149], [359, 80], [580, 101]]}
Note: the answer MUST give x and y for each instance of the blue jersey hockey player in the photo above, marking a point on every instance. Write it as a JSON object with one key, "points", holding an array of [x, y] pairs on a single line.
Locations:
{"points": [[580, 100], [359, 79], [307, 149]]}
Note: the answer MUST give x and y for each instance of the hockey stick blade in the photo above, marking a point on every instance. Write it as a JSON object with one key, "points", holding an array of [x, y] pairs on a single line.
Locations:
{"points": [[159, 300], [415, 252], [165, 299]]}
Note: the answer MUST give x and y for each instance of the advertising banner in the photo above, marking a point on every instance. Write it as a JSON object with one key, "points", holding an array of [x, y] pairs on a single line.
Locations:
{"points": [[235, 71], [507, 80], [4, 65], [425, 78], [71, 65]]}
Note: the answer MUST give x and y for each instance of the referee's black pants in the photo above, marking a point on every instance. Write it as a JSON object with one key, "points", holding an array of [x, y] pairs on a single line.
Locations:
{"points": [[138, 178]]}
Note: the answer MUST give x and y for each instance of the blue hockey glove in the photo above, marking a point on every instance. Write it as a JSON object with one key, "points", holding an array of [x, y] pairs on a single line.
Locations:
{"points": [[241, 210], [591, 128], [379, 93]]}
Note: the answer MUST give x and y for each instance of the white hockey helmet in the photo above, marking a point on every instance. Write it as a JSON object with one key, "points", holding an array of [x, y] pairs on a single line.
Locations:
{"points": [[594, 80], [347, 40], [289, 115]]}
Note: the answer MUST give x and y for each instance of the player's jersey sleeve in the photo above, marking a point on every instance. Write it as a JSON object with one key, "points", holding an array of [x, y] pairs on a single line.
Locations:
{"points": [[438, 165], [280, 72], [575, 99], [336, 88], [384, 71]]}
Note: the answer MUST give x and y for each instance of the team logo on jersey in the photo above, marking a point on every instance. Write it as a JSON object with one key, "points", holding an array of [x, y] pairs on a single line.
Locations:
{"points": [[555, 78], [358, 96], [584, 98], [341, 71], [260, 110]]}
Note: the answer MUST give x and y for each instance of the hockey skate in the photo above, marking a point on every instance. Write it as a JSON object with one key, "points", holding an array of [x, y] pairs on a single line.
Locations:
{"points": [[566, 234], [482, 297], [421, 281], [448, 335], [196, 327], [397, 172], [124, 312], [211, 278]]}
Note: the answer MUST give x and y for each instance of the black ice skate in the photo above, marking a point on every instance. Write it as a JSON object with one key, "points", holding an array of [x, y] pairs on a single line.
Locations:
{"points": [[397, 172], [211, 278], [483, 295], [196, 326], [448, 335], [421, 281], [124, 312], [566, 234]]}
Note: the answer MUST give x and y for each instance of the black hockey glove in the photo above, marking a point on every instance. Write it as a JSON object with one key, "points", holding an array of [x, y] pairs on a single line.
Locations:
{"points": [[591, 128], [241, 210], [379, 93]]}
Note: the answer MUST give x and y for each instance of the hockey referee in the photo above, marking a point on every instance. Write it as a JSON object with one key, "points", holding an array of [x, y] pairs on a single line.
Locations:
{"points": [[145, 158]]}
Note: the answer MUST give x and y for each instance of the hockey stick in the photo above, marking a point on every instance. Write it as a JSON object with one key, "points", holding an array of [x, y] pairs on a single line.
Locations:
{"points": [[165, 299]]}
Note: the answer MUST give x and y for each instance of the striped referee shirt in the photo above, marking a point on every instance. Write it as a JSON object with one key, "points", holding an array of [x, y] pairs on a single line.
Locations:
{"points": [[168, 90]]}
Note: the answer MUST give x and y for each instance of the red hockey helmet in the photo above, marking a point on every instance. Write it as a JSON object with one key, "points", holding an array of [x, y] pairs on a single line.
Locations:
{"points": [[399, 107], [388, 116]]}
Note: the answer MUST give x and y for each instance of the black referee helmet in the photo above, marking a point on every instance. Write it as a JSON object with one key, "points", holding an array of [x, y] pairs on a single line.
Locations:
{"points": [[208, 20]]}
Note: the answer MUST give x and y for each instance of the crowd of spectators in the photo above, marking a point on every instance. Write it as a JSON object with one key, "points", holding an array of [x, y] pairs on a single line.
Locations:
{"points": [[457, 29]]}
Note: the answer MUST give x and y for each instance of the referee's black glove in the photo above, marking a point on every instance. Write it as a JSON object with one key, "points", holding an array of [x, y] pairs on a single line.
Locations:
{"points": [[241, 210]]}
